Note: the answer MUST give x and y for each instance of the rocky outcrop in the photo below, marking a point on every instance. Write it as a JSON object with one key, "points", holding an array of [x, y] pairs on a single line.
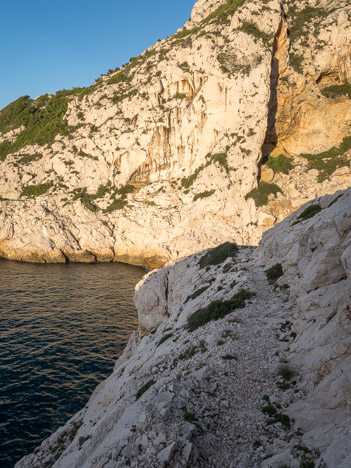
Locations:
{"points": [[156, 160], [229, 369]]}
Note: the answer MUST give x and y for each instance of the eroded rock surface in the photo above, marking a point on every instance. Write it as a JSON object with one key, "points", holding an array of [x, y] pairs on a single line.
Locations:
{"points": [[154, 161], [266, 385]]}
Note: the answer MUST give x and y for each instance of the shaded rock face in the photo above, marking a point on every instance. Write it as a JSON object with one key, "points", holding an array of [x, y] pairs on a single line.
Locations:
{"points": [[215, 394], [154, 161]]}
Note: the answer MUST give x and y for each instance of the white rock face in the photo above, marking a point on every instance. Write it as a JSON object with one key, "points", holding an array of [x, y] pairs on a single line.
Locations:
{"points": [[203, 397], [188, 125]]}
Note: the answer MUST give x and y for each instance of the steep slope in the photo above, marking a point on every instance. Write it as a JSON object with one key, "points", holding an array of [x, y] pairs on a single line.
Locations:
{"points": [[242, 359], [162, 157]]}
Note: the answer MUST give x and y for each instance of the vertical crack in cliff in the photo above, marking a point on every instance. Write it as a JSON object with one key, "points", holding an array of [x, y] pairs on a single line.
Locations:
{"points": [[271, 139]]}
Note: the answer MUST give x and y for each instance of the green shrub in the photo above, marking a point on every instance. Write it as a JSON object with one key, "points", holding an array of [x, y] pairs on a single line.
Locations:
{"points": [[251, 28], [337, 90], [164, 338], [280, 164], [224, 13], [328, 161], [219, 254], [285, 371], [41, 124], [28, 158], [85, 198], [186, 182], [309, 212], [36, 190], [217, 310], [200, 196], [273, 273], [189, 417], [229, 357], [197, 293], [118, 78], [118, 204], [125, 190], [219, 158], [144, 388], [180, 96], [295, 61], [261, 193]]}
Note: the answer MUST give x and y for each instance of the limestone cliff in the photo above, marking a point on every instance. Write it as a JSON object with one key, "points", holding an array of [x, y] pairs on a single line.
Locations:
{"points": [[163, 157], [242, 359]]}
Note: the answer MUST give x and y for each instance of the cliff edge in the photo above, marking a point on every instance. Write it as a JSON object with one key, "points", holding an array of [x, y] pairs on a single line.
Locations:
{"points": [[242, 359], [211, 135]]}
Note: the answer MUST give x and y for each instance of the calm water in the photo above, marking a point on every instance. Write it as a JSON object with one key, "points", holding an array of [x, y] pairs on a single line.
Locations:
{"points": [[61, 329]]}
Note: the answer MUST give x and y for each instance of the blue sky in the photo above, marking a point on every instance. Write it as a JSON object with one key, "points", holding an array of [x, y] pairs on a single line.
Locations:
{"points": [[47, 45]]}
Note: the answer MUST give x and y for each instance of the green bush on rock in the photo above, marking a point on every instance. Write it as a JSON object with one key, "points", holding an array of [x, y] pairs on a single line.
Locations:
{"points": [[261, 193], [217, 310], [219, 254]]}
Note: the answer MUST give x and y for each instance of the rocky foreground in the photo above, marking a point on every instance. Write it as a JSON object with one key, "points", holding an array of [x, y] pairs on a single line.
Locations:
{"points": [[213, 134], [242, 359]]}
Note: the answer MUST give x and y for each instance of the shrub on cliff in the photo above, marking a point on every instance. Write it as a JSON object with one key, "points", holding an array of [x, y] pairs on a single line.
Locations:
{"points": [[280, 164], [36, 190], [218, 254], [273, 273], [261, 193], [309, 212], [218, 309]]}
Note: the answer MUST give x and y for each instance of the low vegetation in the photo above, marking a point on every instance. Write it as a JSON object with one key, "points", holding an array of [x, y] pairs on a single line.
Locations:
{"points": [[164, 338], [219, 254], [144, 388], [328, 161], [41, 124], [251, 28], [280, 164], [36, 190], [285, 372], [337, 91], [218, 158], [200, 196], [309, 212], [224, 13], [275, 416], [197, 293], [261, 193], [217, 310], [273, 273]]}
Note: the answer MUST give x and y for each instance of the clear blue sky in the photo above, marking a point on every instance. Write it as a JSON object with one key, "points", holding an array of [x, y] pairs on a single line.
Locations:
{"points": [[47, 45]]}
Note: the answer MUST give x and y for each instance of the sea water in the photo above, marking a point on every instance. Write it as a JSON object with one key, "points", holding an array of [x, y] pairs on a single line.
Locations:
{"points": [[61, 329]]}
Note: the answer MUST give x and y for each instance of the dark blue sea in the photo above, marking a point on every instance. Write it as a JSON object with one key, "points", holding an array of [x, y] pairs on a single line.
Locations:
{"points": [[61, 329]]}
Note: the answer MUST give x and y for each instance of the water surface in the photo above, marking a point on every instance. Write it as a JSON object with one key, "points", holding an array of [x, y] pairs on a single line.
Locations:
{"points": [[61, 329]]}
